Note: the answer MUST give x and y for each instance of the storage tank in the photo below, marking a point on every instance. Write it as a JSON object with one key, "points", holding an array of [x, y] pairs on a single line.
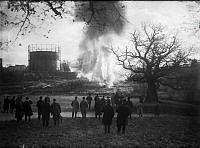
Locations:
{"points": [[44, 57]]}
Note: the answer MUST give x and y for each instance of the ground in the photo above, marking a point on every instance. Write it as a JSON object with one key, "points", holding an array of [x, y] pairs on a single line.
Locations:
{"points": [[167, 130]]}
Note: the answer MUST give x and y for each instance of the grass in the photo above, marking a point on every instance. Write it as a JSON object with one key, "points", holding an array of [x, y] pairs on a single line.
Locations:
{"points": [[170, 130]]}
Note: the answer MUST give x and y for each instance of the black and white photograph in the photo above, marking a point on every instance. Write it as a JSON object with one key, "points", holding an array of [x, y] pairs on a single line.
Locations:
{"points": [[99, 74]]}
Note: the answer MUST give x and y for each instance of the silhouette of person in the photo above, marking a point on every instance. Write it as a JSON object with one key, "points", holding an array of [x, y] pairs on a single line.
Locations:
{"points": [[75, 107], [56, 110], [89, 100], [83, 107], [40, 103], [46, 111], [19, 109], [27, 109], [97, 108], [122, 116], [130, 106], [108, 114]]}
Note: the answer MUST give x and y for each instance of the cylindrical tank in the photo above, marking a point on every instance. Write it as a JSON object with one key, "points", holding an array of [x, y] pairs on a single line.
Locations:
{"points": [[43, 61]]}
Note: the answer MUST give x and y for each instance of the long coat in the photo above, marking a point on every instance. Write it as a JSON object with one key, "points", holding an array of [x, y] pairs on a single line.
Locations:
{"points": [[75, 105], [46, 110], [122, 115], [97, 107], [83, 106], [40, 104], [108, 114], [55, 110], [19, 110], [27, 108]]}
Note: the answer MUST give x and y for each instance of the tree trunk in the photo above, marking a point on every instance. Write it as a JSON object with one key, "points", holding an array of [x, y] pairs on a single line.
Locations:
{"points": [[151, 96]]}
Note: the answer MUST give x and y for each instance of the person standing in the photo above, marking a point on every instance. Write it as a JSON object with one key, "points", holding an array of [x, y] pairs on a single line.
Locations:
{"points": [[122, 117], [84, 107], [97, 108], [75, 107], [6, 104], [46, 111], [130, 106], [56, 110], [12, 104], [96, 97], [27, 109], [89, 100], [108, 114], [103, 102], [39, 106], [140, 107], [19, 109]]}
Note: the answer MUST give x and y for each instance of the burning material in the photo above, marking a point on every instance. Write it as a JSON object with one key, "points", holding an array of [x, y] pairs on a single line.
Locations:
{"points": [[102, 19]]}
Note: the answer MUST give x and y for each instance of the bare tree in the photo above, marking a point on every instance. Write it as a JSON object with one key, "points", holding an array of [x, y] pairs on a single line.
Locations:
{"points": [[30, 14], [153, 56]]}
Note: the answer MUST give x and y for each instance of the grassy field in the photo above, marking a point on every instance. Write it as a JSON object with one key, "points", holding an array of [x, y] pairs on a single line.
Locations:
{"points": [[171, 130]]}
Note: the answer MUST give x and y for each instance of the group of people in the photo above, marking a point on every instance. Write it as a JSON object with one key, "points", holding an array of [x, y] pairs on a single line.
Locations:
{"points": [[9, 104], [107, 107], [45, 109]]}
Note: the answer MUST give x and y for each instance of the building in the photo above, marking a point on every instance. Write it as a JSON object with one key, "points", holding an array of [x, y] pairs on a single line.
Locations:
{"points": [[44, 58], [17, 68]]}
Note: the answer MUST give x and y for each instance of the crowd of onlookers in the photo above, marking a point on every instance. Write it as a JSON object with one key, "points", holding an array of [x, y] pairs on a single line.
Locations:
{"points": [[103, 106]]}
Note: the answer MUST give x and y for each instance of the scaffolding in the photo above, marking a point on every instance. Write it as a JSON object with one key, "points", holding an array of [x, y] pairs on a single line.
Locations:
{"points": [[44, 57]]}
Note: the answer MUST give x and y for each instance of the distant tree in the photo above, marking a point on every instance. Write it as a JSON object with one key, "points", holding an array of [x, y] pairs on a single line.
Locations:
{"points": [[153, 56]]}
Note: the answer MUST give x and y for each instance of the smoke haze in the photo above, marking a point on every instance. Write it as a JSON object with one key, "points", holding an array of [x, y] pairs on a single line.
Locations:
{"points": [[101, 19]]}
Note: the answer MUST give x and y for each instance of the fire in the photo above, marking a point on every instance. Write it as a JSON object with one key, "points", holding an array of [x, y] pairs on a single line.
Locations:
{"points": [[96, 62]]}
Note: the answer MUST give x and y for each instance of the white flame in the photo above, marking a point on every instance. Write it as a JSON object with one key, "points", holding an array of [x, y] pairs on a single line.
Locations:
{"points": [[97, 52]]}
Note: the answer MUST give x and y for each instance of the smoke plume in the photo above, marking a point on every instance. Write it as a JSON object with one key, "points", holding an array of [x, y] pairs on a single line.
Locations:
{"points": [[101, 19]]}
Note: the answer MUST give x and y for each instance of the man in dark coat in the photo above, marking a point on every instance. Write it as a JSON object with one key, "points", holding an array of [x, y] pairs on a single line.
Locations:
{"points": [[12, 104], [122, 116], [130, 106], [6, 104], [108, 114], [19, 109], [39, 106], [75, 107], [103, 102], [46, 111], [97, 108], [96, 97], [27, 109], [89, 100], [84, 107], [56, 110]]}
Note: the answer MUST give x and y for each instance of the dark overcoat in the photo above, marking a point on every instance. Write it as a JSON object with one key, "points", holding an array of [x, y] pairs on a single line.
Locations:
{"points": [[27, 108], [97, 107], [46, 110], [108, 114], [19, 110], [122, 114]]}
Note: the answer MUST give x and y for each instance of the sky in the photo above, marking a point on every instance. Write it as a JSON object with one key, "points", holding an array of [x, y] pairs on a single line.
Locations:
{"points": [[174, 15]]}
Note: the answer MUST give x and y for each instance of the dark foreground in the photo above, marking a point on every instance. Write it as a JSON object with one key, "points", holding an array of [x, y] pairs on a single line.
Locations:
{"points": [[169, 130]]}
